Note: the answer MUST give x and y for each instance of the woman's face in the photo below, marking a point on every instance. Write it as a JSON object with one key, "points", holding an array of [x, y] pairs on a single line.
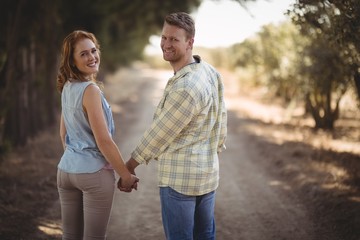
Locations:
{"points": [[86, 57]]}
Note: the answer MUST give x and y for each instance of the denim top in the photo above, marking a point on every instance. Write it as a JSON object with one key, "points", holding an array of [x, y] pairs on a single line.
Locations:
{"points": [[81, 154]]}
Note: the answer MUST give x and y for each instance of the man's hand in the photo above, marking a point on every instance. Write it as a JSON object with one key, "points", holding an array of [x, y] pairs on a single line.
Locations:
{"points": [[131, 164], [127, 185]]}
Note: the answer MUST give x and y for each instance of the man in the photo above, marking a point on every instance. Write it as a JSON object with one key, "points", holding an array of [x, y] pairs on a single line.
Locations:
{"points": [[186, 135]]}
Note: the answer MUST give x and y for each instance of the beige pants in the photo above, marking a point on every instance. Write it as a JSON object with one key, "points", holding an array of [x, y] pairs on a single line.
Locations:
{"points": [[86, 201]]}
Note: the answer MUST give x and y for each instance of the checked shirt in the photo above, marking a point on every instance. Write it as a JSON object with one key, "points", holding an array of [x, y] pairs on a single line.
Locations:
{"points": [[188, 131]]}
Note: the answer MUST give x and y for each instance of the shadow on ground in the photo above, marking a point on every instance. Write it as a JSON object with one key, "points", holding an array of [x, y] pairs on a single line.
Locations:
{"points": [[326, 180]]}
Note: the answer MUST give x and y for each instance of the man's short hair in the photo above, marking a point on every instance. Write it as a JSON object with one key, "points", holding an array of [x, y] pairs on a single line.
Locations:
{"points": [[182, 20]]}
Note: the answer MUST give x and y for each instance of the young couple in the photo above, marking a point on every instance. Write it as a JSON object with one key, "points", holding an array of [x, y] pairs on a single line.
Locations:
{"points": [[187, 133]]}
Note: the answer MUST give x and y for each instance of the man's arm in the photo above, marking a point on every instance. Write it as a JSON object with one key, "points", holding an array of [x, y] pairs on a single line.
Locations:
{"points": [[175, 115], [131, 164]]}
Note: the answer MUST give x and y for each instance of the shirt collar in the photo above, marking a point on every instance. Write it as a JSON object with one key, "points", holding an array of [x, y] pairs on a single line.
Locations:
{"points": [[187, 68]]}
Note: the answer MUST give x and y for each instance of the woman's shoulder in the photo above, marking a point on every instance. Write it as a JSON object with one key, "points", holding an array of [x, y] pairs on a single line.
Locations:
{"points": [[92, 88], [80, 85]]}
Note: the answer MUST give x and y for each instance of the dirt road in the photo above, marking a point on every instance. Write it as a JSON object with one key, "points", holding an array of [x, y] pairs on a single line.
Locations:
{"points": [[251, 203]]}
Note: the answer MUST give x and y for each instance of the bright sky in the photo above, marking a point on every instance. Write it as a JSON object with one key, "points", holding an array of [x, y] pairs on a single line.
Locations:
{"points": [[225, 22]]}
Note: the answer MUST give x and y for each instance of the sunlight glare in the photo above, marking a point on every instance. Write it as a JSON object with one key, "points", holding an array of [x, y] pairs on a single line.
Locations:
{"points": [[224, 23], [51, 229]]}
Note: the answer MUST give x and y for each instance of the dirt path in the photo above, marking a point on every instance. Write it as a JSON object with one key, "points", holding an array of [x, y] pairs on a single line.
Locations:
{"points": [[251, 204]]}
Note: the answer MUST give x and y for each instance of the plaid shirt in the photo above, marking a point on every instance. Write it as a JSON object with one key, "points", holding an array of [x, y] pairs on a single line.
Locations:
{"points": [[188, 131]]}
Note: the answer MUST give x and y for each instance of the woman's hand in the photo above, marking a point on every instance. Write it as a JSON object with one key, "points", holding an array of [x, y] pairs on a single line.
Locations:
{"points": [[128, 184]]}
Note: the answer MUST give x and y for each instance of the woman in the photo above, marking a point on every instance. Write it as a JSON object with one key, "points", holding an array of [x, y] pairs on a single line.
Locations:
{"points": [[86, 179]]}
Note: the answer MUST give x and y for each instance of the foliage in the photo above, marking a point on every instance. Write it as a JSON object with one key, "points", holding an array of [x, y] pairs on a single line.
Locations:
{"points": [[317, 61], [123, 28], [334, 21], [32, 32], [333, 28], [296, 66], [273, 54], [281, 46], [326, 76]]}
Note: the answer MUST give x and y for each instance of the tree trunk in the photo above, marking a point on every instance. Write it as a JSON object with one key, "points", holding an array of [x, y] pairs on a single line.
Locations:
{"points": [[324, 118], [357, 84]]}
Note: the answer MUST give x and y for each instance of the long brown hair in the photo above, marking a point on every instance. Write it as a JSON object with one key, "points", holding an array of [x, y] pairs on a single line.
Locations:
{"points": [[67, 70]]}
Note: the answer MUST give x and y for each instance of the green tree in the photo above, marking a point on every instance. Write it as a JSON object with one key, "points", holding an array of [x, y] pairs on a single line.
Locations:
{"points": [[326, 77], [333, 54], [247, 56], [280, 46], [337, 22], [297, 66], [272, 55]]}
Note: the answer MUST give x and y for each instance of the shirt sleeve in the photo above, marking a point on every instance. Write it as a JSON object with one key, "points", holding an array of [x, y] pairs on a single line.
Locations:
{"points": [[223, 130], [179, 107], [223, 120]]}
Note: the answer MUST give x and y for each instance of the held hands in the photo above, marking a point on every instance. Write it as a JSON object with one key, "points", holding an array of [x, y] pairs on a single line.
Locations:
{"points": [[126, 185]]}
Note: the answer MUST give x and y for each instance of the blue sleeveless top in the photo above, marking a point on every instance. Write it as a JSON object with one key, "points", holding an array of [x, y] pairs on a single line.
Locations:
{"points": [[81, 154]]}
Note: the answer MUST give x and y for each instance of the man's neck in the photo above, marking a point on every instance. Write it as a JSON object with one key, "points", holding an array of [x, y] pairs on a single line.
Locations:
{"points": [[179, 65]]}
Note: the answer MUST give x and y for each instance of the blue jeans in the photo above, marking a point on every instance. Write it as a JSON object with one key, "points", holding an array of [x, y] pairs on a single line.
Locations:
{"points": [[187, 217]]}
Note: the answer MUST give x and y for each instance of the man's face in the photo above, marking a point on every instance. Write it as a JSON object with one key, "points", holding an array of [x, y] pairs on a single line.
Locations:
{"points": [[174, 43]]}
